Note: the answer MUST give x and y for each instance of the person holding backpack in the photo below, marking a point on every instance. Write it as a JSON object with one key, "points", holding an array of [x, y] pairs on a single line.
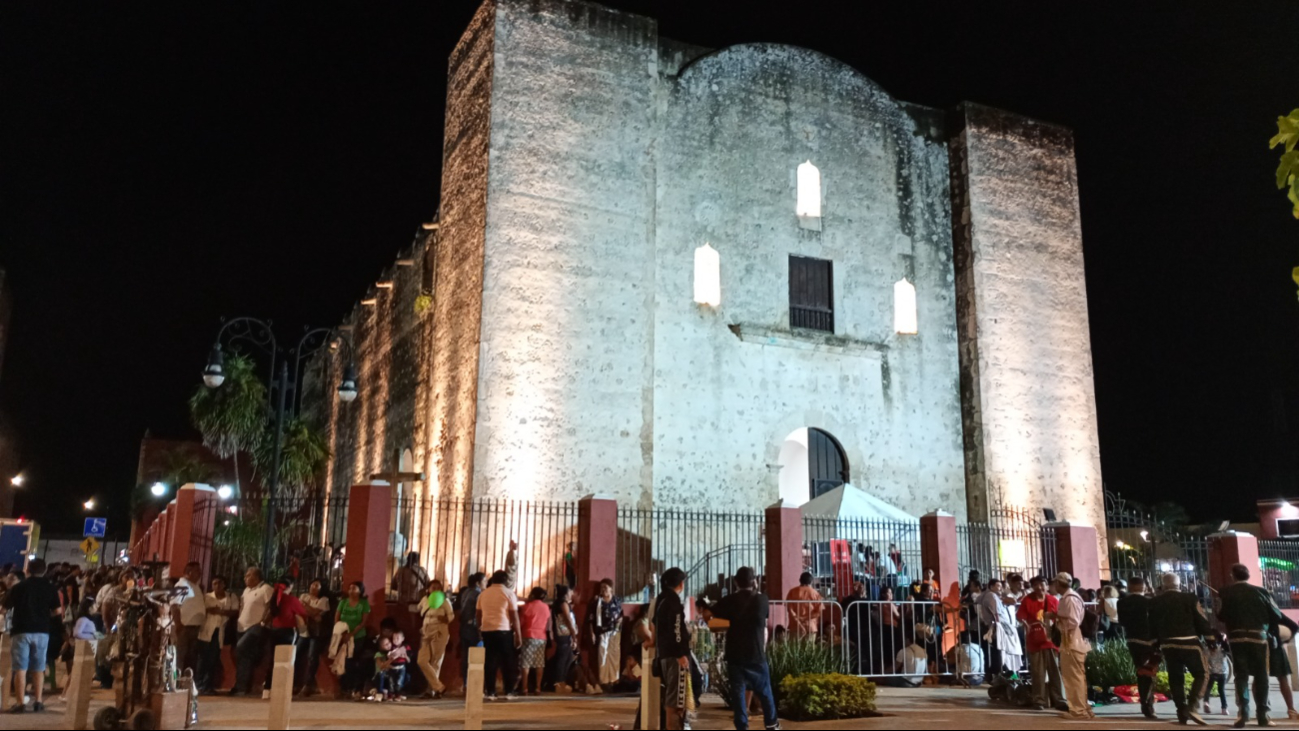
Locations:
{"points": [[1048, 686], [1073, 647]]}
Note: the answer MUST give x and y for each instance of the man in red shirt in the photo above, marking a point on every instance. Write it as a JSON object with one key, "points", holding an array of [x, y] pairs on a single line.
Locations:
{"points": [[1048, 686]]}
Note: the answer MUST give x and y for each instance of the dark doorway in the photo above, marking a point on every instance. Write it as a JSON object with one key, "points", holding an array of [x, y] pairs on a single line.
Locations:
{"points": [[827, 466]]}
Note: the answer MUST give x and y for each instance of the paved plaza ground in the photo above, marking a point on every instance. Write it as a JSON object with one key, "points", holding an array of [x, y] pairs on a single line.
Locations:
{"points": [[919, 708]]}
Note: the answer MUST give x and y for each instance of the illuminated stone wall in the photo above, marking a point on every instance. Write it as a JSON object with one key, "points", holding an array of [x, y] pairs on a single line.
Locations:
{"points": [[585, 161], [566, 357], [1030, 405], [737, 125]]}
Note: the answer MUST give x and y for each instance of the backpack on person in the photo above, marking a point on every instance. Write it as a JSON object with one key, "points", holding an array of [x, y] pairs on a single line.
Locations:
{"points": [[1091, 623]]}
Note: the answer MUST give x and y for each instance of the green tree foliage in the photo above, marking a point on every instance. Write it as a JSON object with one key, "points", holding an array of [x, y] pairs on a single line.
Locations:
{"points": [[232, 418], [1287, 173], [303, 458]]}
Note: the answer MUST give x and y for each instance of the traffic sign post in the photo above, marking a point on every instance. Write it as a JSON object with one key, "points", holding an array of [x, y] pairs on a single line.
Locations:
{"points": [[96, 527]]}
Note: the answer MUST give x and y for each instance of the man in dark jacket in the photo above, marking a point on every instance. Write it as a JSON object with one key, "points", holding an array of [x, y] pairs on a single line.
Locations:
{"points": [[1178, 621], [672, 641], [1250, 614], [1134, 615]]}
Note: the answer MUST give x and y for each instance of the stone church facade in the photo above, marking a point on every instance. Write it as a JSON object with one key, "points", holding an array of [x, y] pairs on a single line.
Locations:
{"points": [[710, 279]]}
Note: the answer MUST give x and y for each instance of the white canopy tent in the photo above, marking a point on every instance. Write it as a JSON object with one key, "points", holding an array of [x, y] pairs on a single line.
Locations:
{"points": [[850, 502]]}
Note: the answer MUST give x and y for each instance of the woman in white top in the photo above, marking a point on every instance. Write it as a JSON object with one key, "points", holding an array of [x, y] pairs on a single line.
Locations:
{"points": [[313, 638]]}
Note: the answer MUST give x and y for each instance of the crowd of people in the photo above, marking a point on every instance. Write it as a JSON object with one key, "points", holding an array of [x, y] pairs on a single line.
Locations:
{"points": [[532, 646], [1043, 627]]}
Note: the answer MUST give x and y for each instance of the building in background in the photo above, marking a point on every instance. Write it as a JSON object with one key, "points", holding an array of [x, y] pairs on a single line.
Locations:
{"points": [[715, 278], [176, 462]]}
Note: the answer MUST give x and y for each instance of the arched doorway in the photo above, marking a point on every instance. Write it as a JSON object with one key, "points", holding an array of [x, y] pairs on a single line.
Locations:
{"points": [[812, 463]]}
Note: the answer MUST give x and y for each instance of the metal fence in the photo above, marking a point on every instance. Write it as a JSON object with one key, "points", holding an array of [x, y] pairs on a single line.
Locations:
{"points": [[1012, 542], [1279, 565], [465, 537], [302, 542], [454, 538], [709, 547], [907, 639], [840, 552]]}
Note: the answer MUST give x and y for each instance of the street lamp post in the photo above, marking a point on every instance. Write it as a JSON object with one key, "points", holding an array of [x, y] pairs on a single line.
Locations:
{"points": [[283, 383]]}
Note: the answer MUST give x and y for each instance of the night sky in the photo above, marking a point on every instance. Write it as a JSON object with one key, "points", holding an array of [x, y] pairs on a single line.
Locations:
{"points": [[164, 165]]}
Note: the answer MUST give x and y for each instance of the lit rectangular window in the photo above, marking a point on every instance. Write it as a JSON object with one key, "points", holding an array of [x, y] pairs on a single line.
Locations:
{"points": [[904, 308], [708, 276], [811, 293], [808, 205]]}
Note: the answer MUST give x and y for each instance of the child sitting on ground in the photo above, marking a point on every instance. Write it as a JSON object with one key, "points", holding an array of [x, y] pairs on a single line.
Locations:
{"points": [[382, 665]]}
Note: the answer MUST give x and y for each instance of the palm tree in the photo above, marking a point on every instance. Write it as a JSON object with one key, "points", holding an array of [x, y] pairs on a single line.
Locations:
{"points": [[232, 418], [303, 456]]}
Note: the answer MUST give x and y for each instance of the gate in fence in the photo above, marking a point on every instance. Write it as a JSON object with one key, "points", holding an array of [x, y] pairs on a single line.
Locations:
{"points": [[709, 547], [1142, 545], [1013, 541]]}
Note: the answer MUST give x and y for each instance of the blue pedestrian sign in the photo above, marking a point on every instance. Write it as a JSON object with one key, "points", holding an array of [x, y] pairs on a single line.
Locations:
{"points": [[96, 527]]}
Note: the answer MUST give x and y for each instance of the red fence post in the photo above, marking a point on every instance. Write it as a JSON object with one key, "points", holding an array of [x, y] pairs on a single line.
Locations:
{"points": [[940, 551], [784, 549], [192, 520], [369, 512], [1227, 549], [1076, 551], [597, 544]]}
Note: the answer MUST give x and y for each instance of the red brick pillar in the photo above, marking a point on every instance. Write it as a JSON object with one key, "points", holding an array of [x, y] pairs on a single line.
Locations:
{"points": [[784, 549], [940, 551], [192, 520], [369, 512], [1077, 551], [597, 546], [1228, 549]]}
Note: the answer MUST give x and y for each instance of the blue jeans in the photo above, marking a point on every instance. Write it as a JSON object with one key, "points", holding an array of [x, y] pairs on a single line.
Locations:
{"points": [[29, 652], [249, 651], [755, 677]]}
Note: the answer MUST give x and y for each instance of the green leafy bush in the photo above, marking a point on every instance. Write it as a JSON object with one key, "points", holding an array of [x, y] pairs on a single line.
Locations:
{"points": [[798, 657], [1162, 686], [1110, 665], [819, 697], [790, 657]]}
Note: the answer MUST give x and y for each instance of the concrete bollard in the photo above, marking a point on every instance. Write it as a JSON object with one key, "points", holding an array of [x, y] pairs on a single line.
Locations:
{"points": [[649, 691], [474, 690], [6, 676], [83, 672], [281, 687]]}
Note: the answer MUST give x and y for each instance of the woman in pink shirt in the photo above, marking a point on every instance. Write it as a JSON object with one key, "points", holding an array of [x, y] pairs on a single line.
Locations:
{"points": [[535, 618]]}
